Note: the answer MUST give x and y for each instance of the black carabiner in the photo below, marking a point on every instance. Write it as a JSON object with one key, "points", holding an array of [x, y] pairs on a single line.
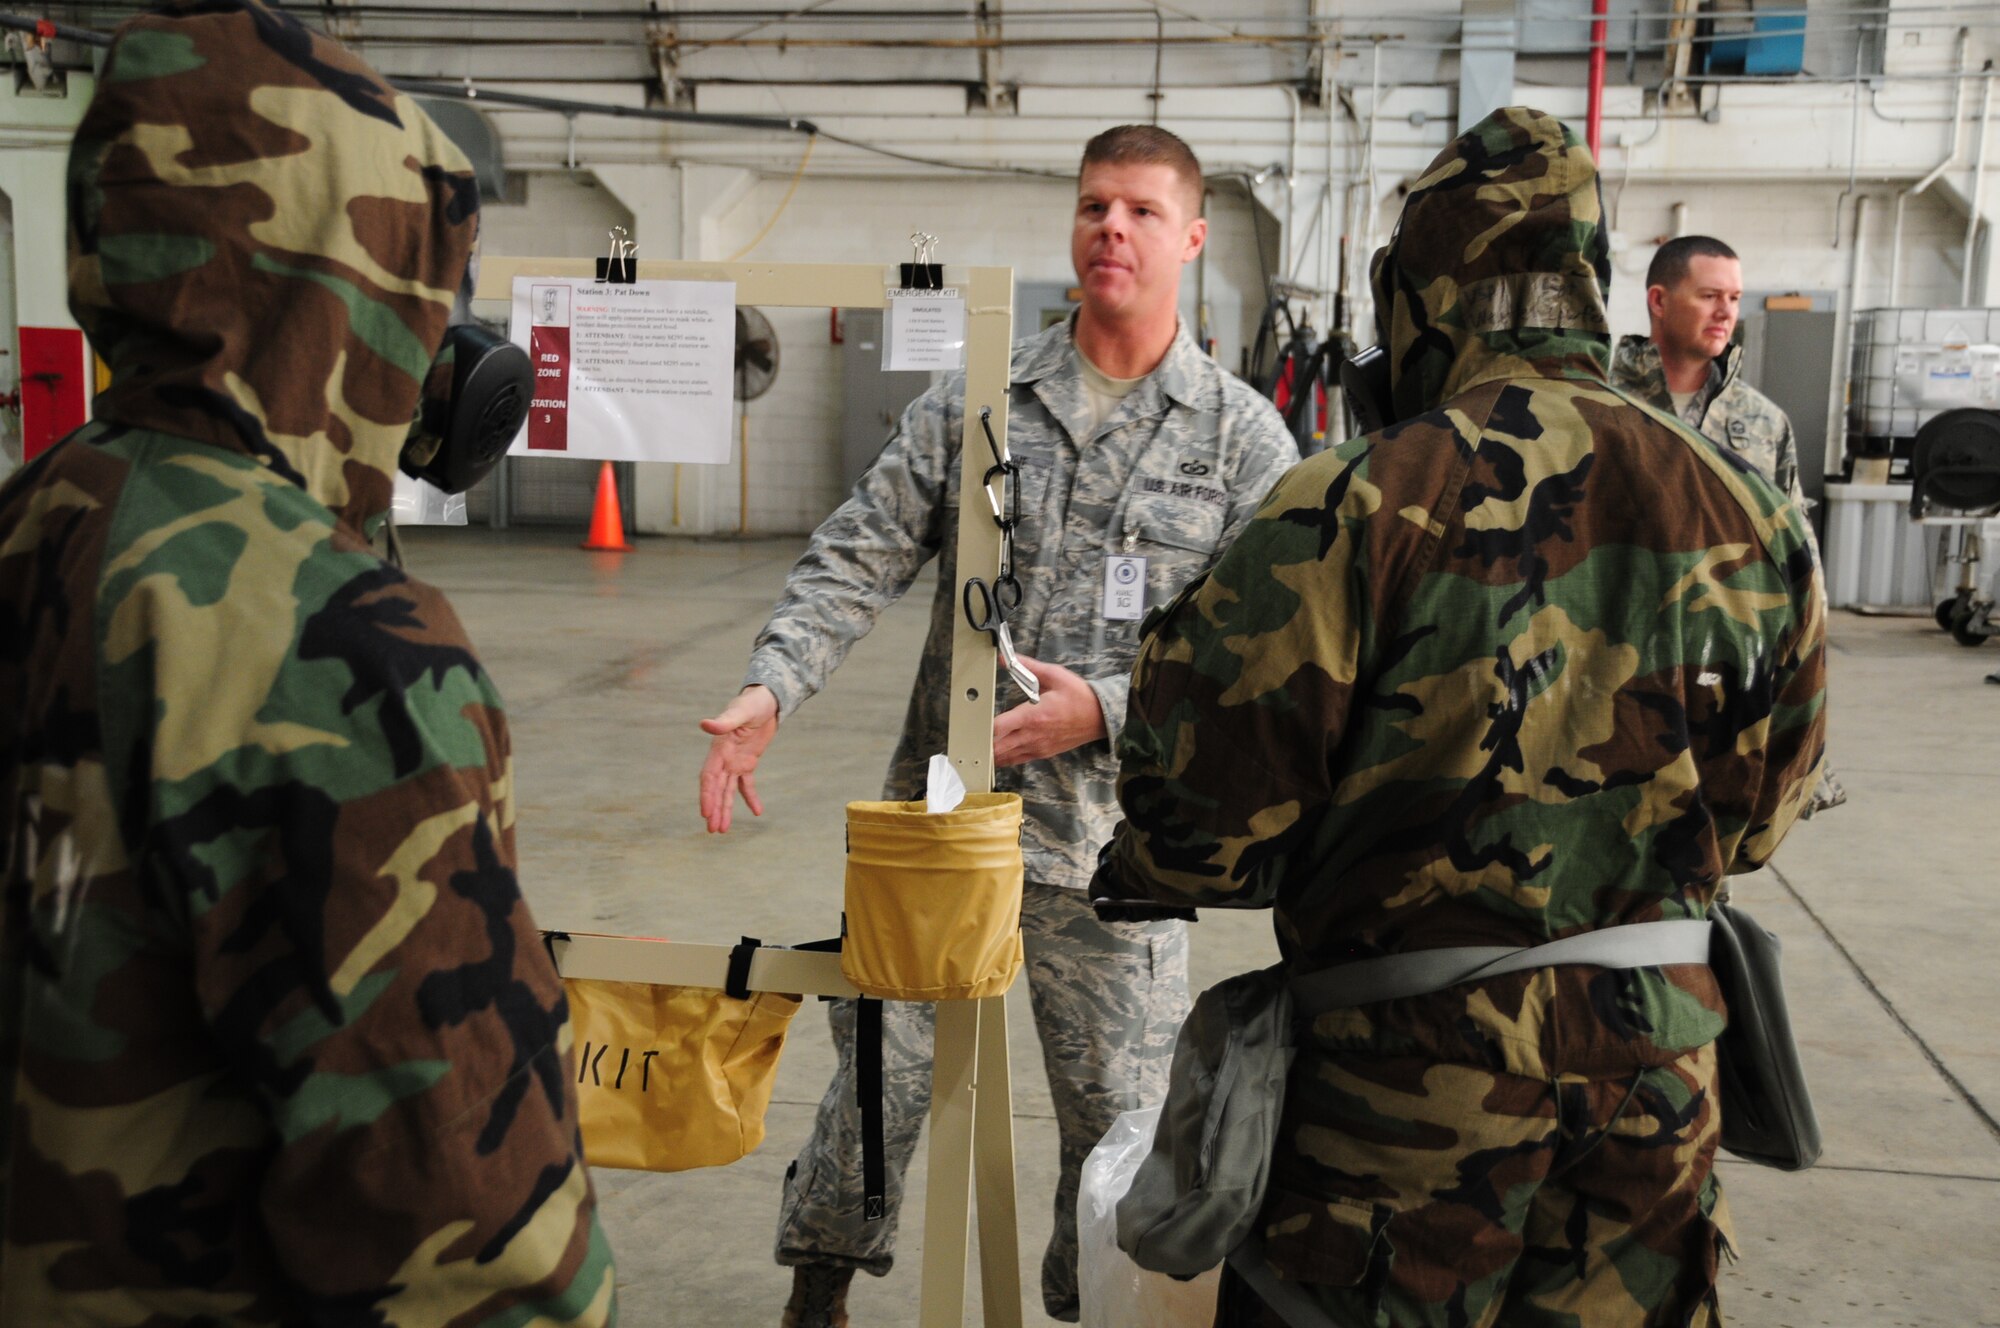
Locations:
{"points": [[986, 423]]}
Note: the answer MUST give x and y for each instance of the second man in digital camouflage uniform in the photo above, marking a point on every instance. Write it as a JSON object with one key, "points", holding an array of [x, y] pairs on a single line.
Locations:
{"points": [[1530, 662], [1690, 368], [1131, 441]]}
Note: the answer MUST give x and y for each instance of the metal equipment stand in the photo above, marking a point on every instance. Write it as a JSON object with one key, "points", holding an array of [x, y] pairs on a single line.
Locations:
{"points": [[972, 1113]]}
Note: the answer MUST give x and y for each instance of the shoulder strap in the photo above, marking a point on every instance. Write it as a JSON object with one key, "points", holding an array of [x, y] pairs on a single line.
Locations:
{"points": [[1420, 972]]}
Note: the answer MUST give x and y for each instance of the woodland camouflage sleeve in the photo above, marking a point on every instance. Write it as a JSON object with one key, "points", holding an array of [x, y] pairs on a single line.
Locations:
{"points": [[1241, 694], [367, 965], [1783, 768]]}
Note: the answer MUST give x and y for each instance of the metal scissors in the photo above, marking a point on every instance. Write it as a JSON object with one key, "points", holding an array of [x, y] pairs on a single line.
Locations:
{"points": [[990, 616]]}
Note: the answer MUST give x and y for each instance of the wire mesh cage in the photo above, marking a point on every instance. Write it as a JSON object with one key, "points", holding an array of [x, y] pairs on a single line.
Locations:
{"points": [[1909, 365]]}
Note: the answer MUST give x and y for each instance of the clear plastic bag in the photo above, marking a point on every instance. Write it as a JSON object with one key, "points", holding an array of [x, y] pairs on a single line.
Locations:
{"points": [[1114, 1291], [420, 504]]}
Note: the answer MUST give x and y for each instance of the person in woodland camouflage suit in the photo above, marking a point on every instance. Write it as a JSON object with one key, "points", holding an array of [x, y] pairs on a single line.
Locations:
{"points": [[1132, 443], [279, 1043], [1528, 662], [1691, 369]]}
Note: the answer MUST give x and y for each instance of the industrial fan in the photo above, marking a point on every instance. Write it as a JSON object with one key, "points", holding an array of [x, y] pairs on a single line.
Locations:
{"points": [[756, 354]]}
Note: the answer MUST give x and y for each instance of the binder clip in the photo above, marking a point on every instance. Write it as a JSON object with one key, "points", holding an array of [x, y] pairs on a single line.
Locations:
{"points": [[926, 273], [621, 265]]}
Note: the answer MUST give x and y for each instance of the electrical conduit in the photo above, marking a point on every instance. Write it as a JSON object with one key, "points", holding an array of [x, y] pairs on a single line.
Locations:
{"points": [[1594, 122]]}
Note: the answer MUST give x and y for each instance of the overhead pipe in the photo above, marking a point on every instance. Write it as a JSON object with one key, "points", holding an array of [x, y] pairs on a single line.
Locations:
{"points": [[1854, 265], [1292, 241], [1594, 120], [1972, 202], [1330, 241], [1950, 156], [1853, 135], [1371, 204]]}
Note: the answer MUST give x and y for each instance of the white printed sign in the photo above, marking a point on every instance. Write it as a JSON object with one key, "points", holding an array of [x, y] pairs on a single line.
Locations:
{"points": [[637, 372], [924, 330]]}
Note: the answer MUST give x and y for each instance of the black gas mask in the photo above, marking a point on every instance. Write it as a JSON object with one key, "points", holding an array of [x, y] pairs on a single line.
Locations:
{"points": [[1364, 378], [1364, 381], [474, 402]]}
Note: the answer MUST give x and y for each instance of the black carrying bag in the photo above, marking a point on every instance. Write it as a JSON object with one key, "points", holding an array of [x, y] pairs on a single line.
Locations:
{"points": [[1767, 1113]]}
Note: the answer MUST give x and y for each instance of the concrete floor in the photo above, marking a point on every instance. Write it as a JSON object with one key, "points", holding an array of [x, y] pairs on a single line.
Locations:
{"points": [[1886, 906]]}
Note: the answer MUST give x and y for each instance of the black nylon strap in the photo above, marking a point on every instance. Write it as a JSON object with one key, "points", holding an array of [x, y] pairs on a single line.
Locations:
{"points": [[868, 1090], [831, 945], [737, 982], [549, 939]]}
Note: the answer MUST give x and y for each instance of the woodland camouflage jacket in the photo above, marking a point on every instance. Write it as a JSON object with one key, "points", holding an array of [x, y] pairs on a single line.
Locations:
{"points": [[1530, 662], [278, 1040]]}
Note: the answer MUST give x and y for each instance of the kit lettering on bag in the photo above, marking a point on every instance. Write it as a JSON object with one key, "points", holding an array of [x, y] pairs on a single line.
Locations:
{"points": [[590, 1062]]}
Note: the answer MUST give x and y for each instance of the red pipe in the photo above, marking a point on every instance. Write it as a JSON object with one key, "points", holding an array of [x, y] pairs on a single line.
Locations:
{"points": [[1594, 126]]}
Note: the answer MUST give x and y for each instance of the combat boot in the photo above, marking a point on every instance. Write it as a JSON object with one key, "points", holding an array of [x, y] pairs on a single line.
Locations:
{"points": [[819, 1297]]}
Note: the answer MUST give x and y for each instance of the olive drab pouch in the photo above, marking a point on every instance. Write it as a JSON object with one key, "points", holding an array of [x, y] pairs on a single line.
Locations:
{"points": [[1196, 1195], [933, 899], [672, 1078], [1767, 1113]]}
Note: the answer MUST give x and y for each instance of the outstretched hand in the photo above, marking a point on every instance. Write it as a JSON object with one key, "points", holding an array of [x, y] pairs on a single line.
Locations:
{"points": [[1067, 717], [739, 736]]}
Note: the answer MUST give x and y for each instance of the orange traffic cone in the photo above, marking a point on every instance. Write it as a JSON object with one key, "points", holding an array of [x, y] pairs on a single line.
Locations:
{"points": [[607, 521]]}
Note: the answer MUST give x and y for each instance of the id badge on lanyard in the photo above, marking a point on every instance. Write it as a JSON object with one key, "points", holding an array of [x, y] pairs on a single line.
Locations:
{"points": [[1125, 583]]}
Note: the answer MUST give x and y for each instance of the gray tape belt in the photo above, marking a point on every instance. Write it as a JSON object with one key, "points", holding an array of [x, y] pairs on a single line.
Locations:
{"points": [[1419, 972]]}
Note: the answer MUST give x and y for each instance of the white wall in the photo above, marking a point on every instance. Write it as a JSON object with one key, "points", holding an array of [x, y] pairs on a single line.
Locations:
{"points": [[565, 214], [1762, 172], [1784, 234]]}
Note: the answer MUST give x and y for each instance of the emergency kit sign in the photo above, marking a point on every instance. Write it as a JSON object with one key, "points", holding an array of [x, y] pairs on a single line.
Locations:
{"points": [[925, 329], [636, 371]]}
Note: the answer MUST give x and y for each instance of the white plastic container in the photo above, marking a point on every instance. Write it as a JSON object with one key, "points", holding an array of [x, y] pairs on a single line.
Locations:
{"points": [[1877, 557]]}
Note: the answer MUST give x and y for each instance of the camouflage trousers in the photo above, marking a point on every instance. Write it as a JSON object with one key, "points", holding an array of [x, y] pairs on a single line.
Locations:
{"points": [[1108, 1000], [1542, 1205]]}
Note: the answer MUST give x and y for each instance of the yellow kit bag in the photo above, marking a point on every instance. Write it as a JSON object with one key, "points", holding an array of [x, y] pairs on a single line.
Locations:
{"points": [[933, 900], [673, 1078]]}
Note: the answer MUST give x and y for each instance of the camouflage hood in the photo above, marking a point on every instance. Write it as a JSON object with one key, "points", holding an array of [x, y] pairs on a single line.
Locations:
{"points": [[1498, 266], [265, 244]]}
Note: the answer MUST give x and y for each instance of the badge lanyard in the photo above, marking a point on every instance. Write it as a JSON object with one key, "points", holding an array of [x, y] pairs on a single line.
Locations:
{"points": [[1125, 579]]}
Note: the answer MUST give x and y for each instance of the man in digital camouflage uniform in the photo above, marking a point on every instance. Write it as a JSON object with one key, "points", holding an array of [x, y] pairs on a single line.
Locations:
{"points": [[1529, 662], [1131, 442], [1690, 368], [279, 1043]]}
